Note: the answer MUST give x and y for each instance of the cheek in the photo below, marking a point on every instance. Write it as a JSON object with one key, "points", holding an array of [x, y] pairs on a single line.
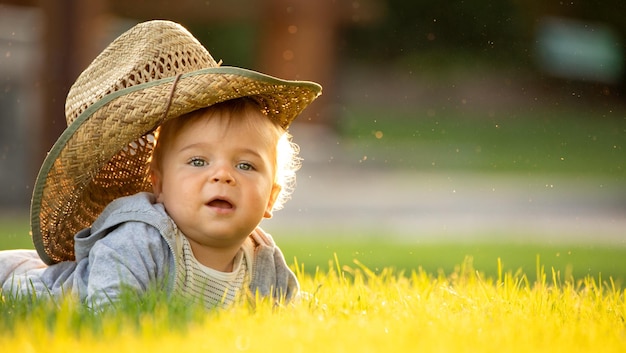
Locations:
{"points": [[163, 186]]}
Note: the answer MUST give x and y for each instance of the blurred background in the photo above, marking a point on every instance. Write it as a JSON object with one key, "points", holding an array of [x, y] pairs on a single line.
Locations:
{"points": [[454, 121]]}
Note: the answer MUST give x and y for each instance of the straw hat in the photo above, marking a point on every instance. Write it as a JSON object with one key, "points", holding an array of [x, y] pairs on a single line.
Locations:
{"points": [[154, 72]]}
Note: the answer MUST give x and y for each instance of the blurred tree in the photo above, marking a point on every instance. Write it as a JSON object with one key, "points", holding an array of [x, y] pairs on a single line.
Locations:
{"points": [[500, 31], [482, 27]]}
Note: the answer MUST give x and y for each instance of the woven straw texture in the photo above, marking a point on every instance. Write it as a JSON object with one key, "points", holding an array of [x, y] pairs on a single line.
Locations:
{"points": [[154, 72]]}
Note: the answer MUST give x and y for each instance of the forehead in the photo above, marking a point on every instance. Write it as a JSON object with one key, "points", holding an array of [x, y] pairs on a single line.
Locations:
{"points": [[222, 121]]}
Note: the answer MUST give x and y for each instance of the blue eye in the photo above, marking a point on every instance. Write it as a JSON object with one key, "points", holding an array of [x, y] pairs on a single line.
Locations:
{"points": [[245, 166], [197, 162]]}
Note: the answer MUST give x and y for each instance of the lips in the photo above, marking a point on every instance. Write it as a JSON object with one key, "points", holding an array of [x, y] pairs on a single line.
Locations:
{"points": [[220, 203]]}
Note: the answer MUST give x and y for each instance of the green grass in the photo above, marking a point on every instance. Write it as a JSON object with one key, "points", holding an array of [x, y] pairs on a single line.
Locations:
{"points": [[362, 294], [15, 232], [347, 308], [586, 142], [570, 260], [575, 260]]}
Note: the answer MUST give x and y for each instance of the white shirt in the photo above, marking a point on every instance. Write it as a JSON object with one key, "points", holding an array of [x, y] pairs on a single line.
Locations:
{"points": [[201, 283]]}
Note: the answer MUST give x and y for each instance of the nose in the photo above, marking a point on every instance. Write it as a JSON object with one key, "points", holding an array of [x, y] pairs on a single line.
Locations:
{"points": [[223, 174]]}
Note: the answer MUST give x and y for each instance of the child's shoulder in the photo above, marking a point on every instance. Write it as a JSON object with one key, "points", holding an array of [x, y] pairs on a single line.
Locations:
{"points": [[129, 222], [134, 234], [140, 207], [135, 214]]}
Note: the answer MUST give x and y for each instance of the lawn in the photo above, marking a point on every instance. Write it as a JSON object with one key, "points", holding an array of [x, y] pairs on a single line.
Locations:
{"points": [[366, 295], [569, 260], [315, 253], [348, 308], [570, 141]]}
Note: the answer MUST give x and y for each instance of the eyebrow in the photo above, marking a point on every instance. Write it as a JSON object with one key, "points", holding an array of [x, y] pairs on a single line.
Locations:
{"points": [[190, 147]]}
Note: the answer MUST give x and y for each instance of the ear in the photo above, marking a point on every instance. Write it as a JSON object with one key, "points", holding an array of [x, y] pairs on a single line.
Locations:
{"points": [[273, 197], [157, 185]]}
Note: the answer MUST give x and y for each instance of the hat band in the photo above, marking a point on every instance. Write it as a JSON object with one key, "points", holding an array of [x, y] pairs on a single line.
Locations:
{"points": [[170, 97]]}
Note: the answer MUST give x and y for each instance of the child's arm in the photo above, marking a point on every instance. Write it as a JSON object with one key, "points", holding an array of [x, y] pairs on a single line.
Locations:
{"points": [[132, 257], [271, 276]]}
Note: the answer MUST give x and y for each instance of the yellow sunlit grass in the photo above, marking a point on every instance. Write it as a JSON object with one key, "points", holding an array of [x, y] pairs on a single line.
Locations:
{"points": [[351, 309]]}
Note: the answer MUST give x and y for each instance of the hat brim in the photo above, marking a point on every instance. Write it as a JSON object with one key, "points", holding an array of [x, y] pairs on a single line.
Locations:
{"points": [[77, 180]]}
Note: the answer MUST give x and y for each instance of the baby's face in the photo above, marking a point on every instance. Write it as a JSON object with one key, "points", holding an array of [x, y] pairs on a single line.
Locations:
{"points": [[217, 179]]}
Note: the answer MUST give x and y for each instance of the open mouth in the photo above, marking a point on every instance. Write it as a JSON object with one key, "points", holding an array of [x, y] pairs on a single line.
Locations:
{"points": [[220, 203]]}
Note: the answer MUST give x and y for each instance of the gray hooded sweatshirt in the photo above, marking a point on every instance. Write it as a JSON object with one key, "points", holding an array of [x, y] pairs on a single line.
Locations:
{"points": [[131, 245]]}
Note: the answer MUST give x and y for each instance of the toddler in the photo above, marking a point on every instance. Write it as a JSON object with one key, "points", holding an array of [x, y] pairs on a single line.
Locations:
{"points": [[169, 163]]}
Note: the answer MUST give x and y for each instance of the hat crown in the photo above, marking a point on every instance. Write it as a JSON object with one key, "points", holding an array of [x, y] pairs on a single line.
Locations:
{"points": [[147, 52]]}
